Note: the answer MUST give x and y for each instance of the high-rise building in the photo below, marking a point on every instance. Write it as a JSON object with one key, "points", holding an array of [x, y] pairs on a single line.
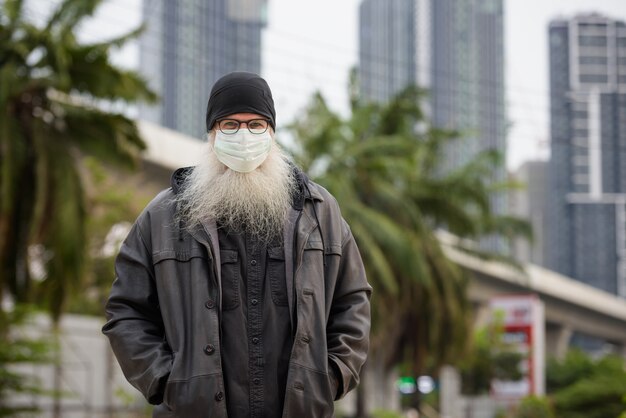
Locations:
{"points": [[528, 203], [187, 46], [387, 52], [586, 202], [454, 49]]}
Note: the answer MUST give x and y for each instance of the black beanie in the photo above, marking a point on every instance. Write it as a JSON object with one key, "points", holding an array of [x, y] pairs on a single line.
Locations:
{"points": [[240, 92]]}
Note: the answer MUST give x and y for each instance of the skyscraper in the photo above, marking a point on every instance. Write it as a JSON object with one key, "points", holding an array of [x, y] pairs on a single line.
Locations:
{"points": [[453, 48], [387, 51], [586, 203], [529, 203], [187, 46]]}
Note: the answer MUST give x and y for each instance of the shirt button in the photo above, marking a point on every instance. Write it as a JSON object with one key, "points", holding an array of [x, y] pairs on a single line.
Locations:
{"points": [[254, 302], [219, 396], [255, 340], [209, 304], [209, 349], [253, 262]]}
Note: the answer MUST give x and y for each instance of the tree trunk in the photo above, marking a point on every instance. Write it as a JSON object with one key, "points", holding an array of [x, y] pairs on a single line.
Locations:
{"points": [[416, 401], [361, 395], [109, 383], [58, 372]]}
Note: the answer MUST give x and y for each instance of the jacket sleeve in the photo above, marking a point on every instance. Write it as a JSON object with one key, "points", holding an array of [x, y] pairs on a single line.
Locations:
{"points": [[134, 325], [348, 327]]}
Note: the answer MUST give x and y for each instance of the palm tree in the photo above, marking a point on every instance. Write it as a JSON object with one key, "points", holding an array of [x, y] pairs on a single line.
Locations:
{"points": [[383, 166], [52, 93]]}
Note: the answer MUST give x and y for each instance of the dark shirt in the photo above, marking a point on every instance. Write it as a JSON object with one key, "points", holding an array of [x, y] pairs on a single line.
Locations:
{"points": [[256, 332]]}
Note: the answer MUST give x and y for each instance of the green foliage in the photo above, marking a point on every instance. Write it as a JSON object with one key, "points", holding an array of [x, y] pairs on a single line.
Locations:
{"points": [[500, 414], [51, 92], [598, 396], [380, 413], [582, 387], [369, 164], [17, 349], [112, 203], [576, 366], [489, 358], [384, 166], [534, 407]]}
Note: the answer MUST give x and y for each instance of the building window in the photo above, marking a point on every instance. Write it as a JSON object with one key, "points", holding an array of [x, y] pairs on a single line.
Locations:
{"points": [[581, 133], [581, 179], [593, 60], [556, 40], [584, 26], [592, 40], [593, 78]]}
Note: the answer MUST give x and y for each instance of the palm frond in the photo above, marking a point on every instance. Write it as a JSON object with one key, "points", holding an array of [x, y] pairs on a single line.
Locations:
{"points": [[374, 257], [109, 136], [13, 10], [384, 166], [118, 41], [44, 129], [66, 239], [70, 13]]}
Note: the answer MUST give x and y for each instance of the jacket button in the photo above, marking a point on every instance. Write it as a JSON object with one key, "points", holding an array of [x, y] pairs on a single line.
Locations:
{"points": [[257, 381], [209, 304], [219, 396], [209, 349], [254, 301], [253, 262]]}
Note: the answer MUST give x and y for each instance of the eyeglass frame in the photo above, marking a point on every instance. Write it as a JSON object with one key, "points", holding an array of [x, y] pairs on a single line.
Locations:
{"points": [[239, 122]]}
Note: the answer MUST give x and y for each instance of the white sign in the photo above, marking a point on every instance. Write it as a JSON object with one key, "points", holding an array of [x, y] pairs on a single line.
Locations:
{"points": [[524, 329]]}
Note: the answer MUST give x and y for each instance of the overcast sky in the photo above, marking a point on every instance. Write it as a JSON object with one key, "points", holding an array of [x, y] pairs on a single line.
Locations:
{"points": [[311, 45]]}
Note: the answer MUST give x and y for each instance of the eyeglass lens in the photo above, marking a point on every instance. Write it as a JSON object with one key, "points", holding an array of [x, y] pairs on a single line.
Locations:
{"points": [[231, 126]]}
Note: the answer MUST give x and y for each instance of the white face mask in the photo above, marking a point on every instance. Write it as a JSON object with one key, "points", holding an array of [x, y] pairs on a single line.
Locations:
{"points": [[242, 151]]}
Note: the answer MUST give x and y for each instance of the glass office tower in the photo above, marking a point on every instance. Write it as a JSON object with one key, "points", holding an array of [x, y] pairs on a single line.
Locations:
{"points": [[586, 202], [187, 46]]}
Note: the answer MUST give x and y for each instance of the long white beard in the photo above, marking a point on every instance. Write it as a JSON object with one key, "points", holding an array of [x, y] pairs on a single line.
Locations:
{"points": [[254, 202]]}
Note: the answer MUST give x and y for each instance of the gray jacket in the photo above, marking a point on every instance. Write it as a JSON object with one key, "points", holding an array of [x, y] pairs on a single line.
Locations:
{"points": [[164, 308]]}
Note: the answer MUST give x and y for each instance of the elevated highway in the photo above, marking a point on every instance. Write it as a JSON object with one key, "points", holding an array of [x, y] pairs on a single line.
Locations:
{"points": [[569, 305]]}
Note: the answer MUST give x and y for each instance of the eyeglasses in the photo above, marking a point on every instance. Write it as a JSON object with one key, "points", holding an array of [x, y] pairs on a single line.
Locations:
{"points": [[231, 126]]}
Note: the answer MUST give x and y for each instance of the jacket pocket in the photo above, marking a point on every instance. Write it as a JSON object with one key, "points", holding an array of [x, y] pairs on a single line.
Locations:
{"points": [[178, 254], [231, 276], [198, 397], [309, 394], [276, 272]]}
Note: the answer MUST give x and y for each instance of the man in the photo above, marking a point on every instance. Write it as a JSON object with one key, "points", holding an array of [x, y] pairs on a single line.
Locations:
{"points": [[240, 291]]}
